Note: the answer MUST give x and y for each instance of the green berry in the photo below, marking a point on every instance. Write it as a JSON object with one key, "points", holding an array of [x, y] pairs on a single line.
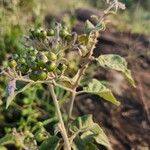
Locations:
{"points": [[34, 75], [41, 59], [42, 75], [50, 66], [30, 49], [39, 136], [23, 68], [51, 56], [38, 75], [39, 125], [31, 60], [12, 64], [64, 33], [62, 67], [32, 52], [43, 34], [21, 60], [31, 31], [68, 37], [33, 65], [50, 32], [37, 33], [15, 56], [27, 101]]}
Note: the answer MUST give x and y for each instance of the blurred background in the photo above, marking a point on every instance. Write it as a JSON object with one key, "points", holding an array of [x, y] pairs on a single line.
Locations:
{"points": [[127, 34]]}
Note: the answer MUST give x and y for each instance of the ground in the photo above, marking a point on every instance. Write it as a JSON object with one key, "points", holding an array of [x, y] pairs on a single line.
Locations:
{"points": [[128, 125]]}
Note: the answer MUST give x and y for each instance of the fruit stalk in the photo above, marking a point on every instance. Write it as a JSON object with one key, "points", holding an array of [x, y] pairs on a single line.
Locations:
{"points": [[63, 129]]}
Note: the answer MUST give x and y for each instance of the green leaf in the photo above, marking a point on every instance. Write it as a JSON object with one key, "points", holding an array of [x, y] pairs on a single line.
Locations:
{"points": [[83, 39], [89, 131], [91, 146], [100, 26], [97, 88], [96, 133], [88, 27], [81, 124], [51, 143], [12, 93], [117, 63], [7, 139], [79, 144]]}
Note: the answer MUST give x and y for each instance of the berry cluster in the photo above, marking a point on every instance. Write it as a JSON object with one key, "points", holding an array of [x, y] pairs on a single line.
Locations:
{"points": [[37, 63]]}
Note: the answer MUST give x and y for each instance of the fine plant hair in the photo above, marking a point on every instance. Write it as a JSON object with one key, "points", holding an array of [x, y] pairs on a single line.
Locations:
{"points": [[45, 61]]}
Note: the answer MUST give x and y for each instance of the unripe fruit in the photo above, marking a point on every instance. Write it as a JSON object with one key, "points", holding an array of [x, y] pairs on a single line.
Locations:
{"points": [[12, 64], [15, 56], [33, 65], [21, 60], [51, 56], [38, 75], [50, 66], [34, 75], [31, 31], [37, 33], [32, 52], [43, 34], [26, 101], [68, 37], [42, 75], [30, 59], [23, 68], [50, 32], [39, 136], [39, 125], [30, 49], [64, 33], [41, 59], [62, 67]]}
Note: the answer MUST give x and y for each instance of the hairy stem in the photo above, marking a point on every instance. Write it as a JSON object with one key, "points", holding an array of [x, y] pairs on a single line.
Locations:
{"points": [[71, 105], [63, 129], [82, 70]]}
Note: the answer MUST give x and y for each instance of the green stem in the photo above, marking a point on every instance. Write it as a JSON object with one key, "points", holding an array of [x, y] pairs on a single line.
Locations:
{"points": [[63, 129], [49, 120], [82, 71], [72, 103]]}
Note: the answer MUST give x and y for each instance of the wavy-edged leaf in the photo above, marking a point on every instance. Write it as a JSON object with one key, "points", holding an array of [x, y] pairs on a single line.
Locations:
{"points": [[100, 26], [97, 134], [83, 39], [89, 131], [118, 63], [81, 124], [91, 146], [79, 144], [51, 143], [97, 88], [12, 93], [88, 27]]}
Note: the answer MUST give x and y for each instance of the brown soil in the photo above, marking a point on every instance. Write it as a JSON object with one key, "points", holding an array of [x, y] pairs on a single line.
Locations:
{"points": [[127, 126]]}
